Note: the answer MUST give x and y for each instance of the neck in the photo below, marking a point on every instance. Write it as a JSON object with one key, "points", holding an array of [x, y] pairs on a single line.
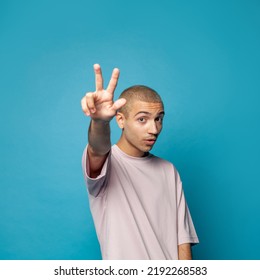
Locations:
{"points": [[129, 149]]}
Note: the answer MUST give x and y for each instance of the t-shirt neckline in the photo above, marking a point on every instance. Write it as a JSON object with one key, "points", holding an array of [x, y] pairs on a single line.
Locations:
{"points": [[123, 154]]}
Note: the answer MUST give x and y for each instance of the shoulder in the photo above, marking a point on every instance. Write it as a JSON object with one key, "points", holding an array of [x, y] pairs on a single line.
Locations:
{"points": [[165, 163], [162, 161]]}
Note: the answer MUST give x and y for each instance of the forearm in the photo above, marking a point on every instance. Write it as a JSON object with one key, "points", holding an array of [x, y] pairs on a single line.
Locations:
{"points": [[99, 137], [101, 108], [184, 252]]}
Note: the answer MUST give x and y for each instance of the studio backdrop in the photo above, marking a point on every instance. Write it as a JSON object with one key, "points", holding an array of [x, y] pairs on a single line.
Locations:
{"points": [[201, 56]]}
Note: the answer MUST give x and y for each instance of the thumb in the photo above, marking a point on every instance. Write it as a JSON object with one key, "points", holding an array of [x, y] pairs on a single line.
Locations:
{"points": [[119, 103]]}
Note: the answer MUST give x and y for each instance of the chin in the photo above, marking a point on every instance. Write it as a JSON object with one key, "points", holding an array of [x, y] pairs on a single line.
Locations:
{"points": [[147, 149], [144, 148]]}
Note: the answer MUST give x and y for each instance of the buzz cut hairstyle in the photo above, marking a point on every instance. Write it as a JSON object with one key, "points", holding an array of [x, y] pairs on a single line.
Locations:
{"points": [[138, 93]]}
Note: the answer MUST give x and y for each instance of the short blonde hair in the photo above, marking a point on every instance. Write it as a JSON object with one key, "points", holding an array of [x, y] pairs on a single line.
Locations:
{"points": [[140, 93]]}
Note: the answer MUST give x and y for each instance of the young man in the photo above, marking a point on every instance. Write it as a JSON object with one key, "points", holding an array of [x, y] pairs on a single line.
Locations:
{"points": [[136, 198]]}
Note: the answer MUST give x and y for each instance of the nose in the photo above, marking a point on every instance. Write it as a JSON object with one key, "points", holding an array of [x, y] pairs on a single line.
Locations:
{"points": [[154, 128]]}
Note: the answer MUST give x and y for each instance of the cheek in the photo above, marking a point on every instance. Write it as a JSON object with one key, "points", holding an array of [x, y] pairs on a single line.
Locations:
{"points": [[139, 129], [134, 132], [133, 127]]}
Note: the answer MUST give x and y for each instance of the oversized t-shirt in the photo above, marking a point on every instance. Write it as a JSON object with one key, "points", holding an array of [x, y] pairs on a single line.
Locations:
{"points": [[138, 207]]}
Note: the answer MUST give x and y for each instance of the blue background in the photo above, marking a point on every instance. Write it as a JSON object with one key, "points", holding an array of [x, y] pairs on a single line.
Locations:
{"points": [[201, 56]]}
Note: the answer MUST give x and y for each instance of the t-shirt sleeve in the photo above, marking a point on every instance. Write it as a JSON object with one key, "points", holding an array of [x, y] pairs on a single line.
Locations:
{"points": [[186, 229], [96, 186]]}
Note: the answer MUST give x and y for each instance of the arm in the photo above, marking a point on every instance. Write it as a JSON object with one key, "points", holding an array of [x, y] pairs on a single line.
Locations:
{"points": [[99, 146], [184, 252], [100, 107]]}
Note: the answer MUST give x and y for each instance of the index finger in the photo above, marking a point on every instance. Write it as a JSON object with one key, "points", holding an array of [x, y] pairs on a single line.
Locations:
{"points": [[98, 77], [113, 81]]}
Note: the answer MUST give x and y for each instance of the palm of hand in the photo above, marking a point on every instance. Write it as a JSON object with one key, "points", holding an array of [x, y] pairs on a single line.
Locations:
{"points": [[99, 105], [104, 106]]}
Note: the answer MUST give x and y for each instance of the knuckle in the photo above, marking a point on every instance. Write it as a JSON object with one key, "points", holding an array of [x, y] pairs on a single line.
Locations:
{"points": [[85, 111], [83, 101], [83, 107], [90, 103], [89, 95]]}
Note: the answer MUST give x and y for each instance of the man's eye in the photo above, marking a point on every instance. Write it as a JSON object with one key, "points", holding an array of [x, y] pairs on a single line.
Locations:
{"points": [[141, 119], [159, 119]]}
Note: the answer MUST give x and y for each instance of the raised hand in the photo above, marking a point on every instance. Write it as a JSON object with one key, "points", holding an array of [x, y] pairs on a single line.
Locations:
{"points": [[99, 105]]}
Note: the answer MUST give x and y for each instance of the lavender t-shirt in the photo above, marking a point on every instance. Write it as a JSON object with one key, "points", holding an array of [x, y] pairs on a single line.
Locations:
{"points": [[138, 207]]}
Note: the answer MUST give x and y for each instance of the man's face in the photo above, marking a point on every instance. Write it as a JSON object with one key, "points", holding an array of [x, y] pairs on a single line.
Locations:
{"points": [[141, 127]]}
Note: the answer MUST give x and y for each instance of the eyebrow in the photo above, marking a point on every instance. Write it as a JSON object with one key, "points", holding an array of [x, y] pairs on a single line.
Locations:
{"points": [[148, 113]]}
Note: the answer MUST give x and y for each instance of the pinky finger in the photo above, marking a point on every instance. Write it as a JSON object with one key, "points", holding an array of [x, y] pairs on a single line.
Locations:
{"points": [[84, 106], [90, 102]]}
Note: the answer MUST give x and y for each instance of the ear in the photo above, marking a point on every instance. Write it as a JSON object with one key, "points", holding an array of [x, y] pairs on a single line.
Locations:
{"points": [[120, 119]]}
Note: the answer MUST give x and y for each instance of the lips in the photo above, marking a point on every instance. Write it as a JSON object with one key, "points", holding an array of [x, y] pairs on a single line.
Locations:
{"points": [[150, 141]]}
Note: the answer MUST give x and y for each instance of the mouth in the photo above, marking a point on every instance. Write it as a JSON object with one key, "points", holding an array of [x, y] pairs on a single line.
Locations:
{"points": [[150, 142]]}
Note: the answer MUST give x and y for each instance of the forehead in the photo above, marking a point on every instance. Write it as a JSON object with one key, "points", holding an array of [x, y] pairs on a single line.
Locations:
{"points": [[149, 107]]}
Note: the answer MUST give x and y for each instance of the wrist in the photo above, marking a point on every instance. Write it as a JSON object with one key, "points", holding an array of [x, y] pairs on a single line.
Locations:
{"points": [[100, 121], [100, 126]]}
